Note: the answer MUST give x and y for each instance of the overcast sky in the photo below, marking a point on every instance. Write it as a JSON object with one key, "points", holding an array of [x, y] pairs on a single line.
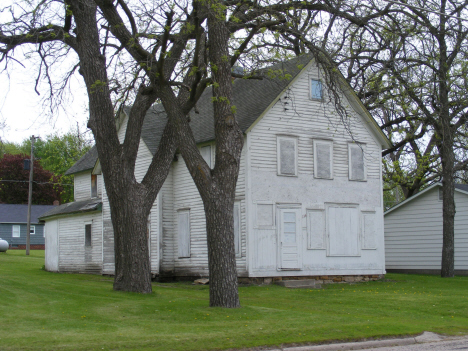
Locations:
{"points": [[24, 114]]}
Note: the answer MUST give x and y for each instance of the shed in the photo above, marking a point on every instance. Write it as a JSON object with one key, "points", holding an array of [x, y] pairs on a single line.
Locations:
{"points": [[413, 232]]}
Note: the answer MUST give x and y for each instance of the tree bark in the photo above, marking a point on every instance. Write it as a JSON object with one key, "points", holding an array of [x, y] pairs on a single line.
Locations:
{"points": [[129, 200], [448, 209]]}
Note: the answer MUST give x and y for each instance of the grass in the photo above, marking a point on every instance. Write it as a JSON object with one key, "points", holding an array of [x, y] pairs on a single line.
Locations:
{"points": [[40, 310]]}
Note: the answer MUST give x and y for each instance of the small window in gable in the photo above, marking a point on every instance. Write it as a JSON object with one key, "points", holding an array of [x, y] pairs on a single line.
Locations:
{"points": [[88, 234], [15, 231], [323, 159], [357, 166], [93, 185], [315, 89], [287, 156], [183, 230], [205, 152]]}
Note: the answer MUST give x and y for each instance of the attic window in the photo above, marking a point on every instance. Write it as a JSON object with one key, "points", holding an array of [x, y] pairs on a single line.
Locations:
{"points": [[287, 155], [93, 185], [357, 167], [316, 89], [323, 159]]}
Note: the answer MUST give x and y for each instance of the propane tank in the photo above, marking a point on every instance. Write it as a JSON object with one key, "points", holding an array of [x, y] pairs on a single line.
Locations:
{"points": [[3, 245]]}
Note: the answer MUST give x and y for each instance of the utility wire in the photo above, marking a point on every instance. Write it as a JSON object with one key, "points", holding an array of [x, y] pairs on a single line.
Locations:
{"points": [[26, 181]]}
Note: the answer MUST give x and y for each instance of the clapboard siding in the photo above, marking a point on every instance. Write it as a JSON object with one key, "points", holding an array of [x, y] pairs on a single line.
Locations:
{"points": [[82, 185], [308, 120], [168, 245], [413, 233], [73, 255], [186, 196], [6, 233]]}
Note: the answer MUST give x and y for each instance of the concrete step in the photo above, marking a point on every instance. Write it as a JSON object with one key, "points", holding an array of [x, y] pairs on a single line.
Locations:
{"points": [[299, 284]]}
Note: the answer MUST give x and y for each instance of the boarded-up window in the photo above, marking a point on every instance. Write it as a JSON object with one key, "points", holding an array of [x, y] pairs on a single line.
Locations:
{"points": [[183, 230], [287, 156], [368, 230], [87, 234], [315, 89], [237, 229], [205, 152], [316, 229], [323, 159], [357, 167], [265, 215], [15, 231], [93, 185], [343, 230]]}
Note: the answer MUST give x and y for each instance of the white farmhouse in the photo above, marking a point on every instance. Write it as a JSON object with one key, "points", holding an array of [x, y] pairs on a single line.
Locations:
{"points": [[308, 200], [413, 232]]}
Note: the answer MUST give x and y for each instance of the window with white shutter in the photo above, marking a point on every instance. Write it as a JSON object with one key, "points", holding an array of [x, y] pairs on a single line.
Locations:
{"points": [[357, 166], [237, 229], [183, 230], [287, 155], [323, 159]]}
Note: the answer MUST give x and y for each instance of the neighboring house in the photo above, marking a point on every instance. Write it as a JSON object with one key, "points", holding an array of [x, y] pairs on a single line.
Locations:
{"points": [[308, 199], [413, 232], [13, 225]]}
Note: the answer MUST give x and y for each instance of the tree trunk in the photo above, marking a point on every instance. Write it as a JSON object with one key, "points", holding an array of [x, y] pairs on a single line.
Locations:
{"points": [[448, 209], [129, 200], [132, 264], [221, 251]]}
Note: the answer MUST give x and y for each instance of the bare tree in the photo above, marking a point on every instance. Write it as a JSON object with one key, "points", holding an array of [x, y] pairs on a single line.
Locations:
{"points": [[143, 52], [409, 69]]}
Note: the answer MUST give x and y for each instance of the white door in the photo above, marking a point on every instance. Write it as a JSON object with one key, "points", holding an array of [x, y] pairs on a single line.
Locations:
{"points": [[290, 238]]}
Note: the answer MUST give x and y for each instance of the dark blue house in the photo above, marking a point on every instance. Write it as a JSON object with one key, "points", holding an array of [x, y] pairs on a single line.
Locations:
{"points": [[13, 223]]}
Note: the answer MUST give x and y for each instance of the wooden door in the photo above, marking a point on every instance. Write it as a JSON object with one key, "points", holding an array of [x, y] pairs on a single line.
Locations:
{"points": [[290, 238]]}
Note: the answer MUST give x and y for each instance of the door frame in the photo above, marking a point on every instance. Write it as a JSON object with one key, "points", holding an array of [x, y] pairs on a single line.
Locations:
{"points": [[297, 208]]}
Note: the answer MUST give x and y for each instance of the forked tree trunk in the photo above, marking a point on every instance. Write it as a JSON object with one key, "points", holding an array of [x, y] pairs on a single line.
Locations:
{"points": [[130, 201]]}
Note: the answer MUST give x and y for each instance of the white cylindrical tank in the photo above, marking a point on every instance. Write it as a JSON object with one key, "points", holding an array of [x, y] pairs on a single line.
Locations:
{"points": [[3, 245]]}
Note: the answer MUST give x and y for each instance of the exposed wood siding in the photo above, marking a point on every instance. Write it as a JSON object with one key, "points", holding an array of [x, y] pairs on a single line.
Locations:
{"points": [[73, 255], [167, 225], [308, 120], [413, 233], [186, 196], [82, 185]]}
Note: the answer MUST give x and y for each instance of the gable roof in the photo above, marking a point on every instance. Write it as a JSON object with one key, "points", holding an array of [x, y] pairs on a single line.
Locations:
{"points": [[461, 188], [86, 162], [10, 213], [250, 96]]}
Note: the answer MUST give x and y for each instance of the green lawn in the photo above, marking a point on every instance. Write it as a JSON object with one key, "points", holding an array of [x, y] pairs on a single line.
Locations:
{"points": [[49, 311]]}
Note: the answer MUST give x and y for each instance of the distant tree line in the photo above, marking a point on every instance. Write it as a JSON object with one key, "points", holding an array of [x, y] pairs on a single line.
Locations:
{"points": [[53, 156]]}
